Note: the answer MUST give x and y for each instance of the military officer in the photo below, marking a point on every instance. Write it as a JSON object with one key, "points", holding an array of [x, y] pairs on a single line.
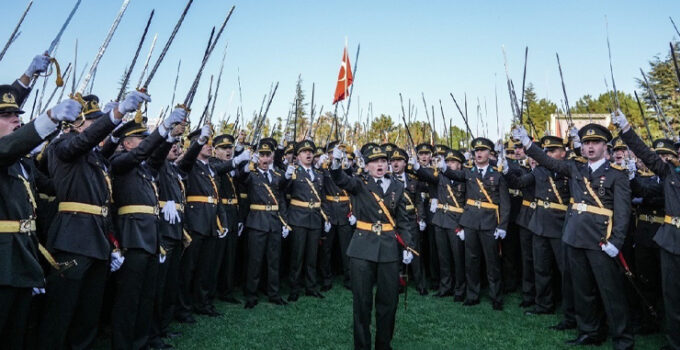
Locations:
{"points": [[265, 223], [485, 221], [306, 218], [374, 250], [667, 167], [594, 232], [135, 194], [446, 219], [20, 270], [415, 210], [80, 231]]}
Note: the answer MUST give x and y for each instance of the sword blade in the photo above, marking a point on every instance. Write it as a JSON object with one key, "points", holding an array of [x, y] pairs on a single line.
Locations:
{"points": [[56, 40]]}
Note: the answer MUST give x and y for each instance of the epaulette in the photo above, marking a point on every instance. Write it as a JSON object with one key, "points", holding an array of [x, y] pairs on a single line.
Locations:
{"points": [[498, 168], [581, 159], [645, 173], [276, 173], [617, 167], [468, 165], [412, 177]]}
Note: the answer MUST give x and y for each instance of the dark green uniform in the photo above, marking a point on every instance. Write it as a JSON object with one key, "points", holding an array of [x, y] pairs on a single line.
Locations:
{"points": [[375, 254], [586, 226]]}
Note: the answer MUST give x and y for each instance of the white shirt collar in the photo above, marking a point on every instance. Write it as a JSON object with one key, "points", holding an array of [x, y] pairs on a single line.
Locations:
{"points": [[596, 165]]}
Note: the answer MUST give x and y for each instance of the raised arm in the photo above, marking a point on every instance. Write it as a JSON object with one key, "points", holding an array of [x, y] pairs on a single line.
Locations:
{"points": [[649, 157], [562, 167], [84, 142], [124, 162]]}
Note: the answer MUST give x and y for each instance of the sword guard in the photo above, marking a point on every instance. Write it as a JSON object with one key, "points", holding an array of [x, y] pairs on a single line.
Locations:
{"points": [[60, 79]]}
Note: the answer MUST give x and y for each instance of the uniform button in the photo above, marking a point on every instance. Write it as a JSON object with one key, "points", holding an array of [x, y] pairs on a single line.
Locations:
{"points": [[585, 192], [379, 211]]}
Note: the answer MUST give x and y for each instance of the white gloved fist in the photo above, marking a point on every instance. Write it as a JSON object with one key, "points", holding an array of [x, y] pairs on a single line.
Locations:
{"points": [[285, 231], [322, 159], [290, 170], [117, 260], [499, 233], [352, 219], [573, 133], [619, 119], [170, 213], [240, 228], [109, 107], [506, 166], [255, 158], [132, 101], [37, 291], [461, 234], [433, 205], [326, 227], [67, 110], [206, 132], [422, 225], [610, 249], [244, 156], [39, 64], [161, 258], [407, 257], [632, 169], [520, 133], [338, 153], [413, 161], [223, 233]]}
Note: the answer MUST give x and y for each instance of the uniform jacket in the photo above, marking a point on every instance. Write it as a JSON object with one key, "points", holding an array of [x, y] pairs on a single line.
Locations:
{"points": [[444, 218], [81, 174], [337, 212], [261, 220], [202, 218], [587, 230], [668, 236], [495, 186], [368, 245], [649, 188], [298, 188]]}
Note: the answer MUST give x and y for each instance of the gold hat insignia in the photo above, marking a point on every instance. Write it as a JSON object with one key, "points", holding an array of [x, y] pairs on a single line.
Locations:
{"points": [[8, 98], [590, 132]]}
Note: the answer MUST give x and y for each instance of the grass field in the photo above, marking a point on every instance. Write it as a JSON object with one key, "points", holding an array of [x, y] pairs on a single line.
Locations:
{"points": [[429, 323]]}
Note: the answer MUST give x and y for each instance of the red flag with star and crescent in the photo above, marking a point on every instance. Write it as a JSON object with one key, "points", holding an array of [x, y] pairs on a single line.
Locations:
{"points": [[345, 79]]}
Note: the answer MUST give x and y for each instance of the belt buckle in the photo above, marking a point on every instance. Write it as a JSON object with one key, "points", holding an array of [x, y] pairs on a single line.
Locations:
{"points": [[180, 206], [310, 205], [268, 207], [675, 221], [377, 228], [25, 226], [532, 205], [211, 200], [478, 204], [581, 207], [105, 211], [546, 204], [156, 210], [445, 207], [336, 198]]}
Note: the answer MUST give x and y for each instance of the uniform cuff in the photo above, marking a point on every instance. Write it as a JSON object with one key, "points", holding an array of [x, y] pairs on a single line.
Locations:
{"points": [[44, 125]]}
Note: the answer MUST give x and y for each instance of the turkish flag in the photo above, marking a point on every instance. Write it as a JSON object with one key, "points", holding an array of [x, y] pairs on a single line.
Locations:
{"points": [[345, 79]]}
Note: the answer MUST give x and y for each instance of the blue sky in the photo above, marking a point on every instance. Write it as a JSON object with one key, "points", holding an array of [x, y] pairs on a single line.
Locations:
{"points": [[435, 47]]}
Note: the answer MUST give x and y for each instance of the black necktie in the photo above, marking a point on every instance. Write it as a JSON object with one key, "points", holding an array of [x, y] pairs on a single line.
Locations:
{"points": [[379, 182], [309, 172]]}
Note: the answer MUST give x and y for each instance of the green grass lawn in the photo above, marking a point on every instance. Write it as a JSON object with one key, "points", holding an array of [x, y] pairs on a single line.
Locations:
{"points": [[429, 323]]}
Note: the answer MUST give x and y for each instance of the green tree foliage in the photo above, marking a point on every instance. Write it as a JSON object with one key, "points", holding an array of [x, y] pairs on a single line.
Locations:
{"points": [[664, 81], [536, 111]]}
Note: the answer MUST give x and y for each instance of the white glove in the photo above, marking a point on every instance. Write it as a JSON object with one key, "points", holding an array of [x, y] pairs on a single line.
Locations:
{"points": [[499, 233], [352, 219], [109, 107], [240, 228], [610, 249], [433, 205], [520, 133], [170, 213], [132, 101], [442, 164], [413, 161], [505, 165], [337, 153], [38, 65], [223, 233], [254, 158], [206, 131], [290, 170], [422, 225], [573, 133], [117, 260], [322, 159], [619, 119], [67, 110], [38, 148], [407, 257], [637, 200], [285, 231], [632, 168], [461, 234], [327, 227], [244, 156], [161, 258], [37, 291]]}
